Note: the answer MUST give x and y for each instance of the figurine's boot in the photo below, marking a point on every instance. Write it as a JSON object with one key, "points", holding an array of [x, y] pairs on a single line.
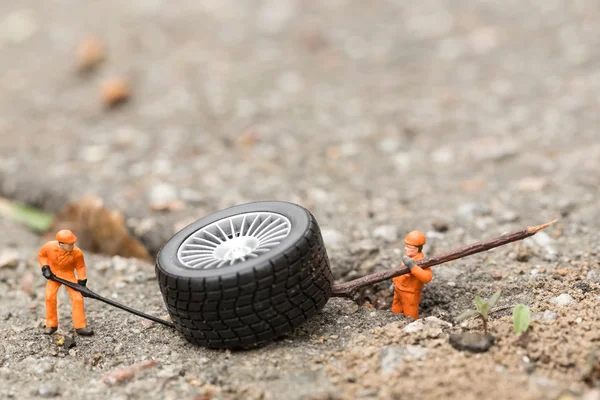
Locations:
{"points": [[50, 330], [84, 331]]}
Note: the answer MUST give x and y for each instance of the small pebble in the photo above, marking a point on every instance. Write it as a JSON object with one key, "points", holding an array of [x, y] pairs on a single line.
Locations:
{"points": [[566, 207], [332, 238], [563, 300], [413, 353], [388, 233], [9, 258], [390, 145], [191, 196], [65, 341], [473, 342], [532, 184], [42, 368], [115, 91], [18, 25], [443, 156], [509, 216], [524, 253], [421, 324], [162, 194], [94, 153], [545, 242], [470, 210], [548, 316], [440, 225], [391, 357], [90, 53], [49, 390], [583, 286], [593, 275], [170, 372]]}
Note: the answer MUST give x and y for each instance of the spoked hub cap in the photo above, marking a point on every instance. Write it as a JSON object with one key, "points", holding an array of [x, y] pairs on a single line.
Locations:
{"points": [[233, 240]]}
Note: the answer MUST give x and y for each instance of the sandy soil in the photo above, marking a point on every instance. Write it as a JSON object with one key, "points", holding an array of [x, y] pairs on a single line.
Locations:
{"points": [[379, 118]]}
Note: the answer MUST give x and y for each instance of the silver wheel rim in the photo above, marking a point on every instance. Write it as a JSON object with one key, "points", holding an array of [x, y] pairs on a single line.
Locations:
{"points": [[233, 240]]}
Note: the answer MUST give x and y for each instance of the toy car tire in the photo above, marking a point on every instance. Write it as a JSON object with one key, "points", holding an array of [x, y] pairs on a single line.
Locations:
{"points": [[245, 275]]}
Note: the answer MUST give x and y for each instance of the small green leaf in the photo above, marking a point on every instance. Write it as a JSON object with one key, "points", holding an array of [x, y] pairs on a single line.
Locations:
{"points": [[494, 299], [466, 314], [521, 318], [479, 303], [34, 218]]}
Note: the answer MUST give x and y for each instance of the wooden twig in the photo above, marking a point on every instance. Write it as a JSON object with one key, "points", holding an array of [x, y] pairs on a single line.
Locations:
{"points": [[349, 289], [501, 308]]}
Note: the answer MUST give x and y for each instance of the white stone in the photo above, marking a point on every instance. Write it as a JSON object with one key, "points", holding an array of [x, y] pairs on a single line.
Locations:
{"points": [[443, 156], [391, 357], [274, 15], [49, 390], [390, 145], [332, 238], [437, 322], [389, 233], [420, 324], [549, 315], [414, 327], [191, 196], [563, 300], [543, 240], [9, 258], [162, 193], [94, 153], [18, 26], [290, 82], [470, 210], [415, 353]]}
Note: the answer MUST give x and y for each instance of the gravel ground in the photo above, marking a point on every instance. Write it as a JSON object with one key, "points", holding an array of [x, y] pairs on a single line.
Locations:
{"points": [[461, 119]]}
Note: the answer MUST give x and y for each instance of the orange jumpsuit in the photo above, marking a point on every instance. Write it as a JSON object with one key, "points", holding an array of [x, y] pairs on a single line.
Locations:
{"points": [[63, 264], [407, 289]]}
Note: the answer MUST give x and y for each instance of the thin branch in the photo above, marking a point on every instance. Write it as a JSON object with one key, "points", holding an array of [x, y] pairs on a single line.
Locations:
{"points": [[350, 289], [501, 308]]}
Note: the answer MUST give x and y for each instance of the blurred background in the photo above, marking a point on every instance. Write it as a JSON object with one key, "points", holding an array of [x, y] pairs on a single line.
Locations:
{"points": [[127, 120], [455, 117]]}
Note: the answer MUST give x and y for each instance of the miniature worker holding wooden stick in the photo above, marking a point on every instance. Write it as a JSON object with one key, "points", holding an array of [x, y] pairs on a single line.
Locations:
{"points": [[407, 288]]}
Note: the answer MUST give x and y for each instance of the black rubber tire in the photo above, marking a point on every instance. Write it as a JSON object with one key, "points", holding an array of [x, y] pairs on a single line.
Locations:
{"points": [[251, 302]]}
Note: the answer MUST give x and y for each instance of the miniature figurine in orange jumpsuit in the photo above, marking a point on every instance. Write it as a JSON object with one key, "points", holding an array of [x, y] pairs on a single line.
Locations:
{"points": [[407, 287], [61, 257]]}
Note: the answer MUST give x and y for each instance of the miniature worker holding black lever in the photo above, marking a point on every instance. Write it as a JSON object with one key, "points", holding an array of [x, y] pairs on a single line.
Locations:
{"points": [[61, 258]]}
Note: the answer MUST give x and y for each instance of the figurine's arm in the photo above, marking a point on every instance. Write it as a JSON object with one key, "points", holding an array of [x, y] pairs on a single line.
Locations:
{"points": [[43, 259], [422, 274], [80, 268]]}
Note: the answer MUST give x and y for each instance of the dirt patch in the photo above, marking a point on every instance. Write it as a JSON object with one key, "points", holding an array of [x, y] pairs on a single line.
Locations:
{"points": [[380, 118]]}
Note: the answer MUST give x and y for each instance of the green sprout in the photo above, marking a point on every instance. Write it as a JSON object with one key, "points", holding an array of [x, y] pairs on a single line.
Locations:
{"points": [[521, 318], [482, 310], [34, 218]]}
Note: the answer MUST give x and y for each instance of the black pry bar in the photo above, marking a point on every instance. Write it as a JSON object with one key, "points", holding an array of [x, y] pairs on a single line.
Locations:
{"points": [[85, 292]]}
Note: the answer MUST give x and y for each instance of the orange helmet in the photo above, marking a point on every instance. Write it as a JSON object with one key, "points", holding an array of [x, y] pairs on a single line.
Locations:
{"points": [[415, 238], [66, 236]]}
